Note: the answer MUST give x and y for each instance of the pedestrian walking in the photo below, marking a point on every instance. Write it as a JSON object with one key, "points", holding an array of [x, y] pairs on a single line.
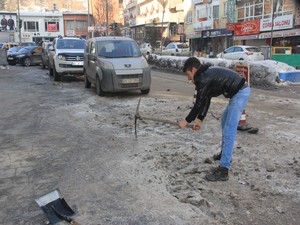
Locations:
{"points": [[3, 23], [212, 82]]}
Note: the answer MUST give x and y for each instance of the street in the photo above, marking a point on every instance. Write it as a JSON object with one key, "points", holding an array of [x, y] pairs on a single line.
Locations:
{"points": [[59, 135]]}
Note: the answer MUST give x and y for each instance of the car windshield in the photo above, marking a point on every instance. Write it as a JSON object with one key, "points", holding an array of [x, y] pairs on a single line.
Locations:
{"points": [[118, 49], [252, 49], [26, 49], [70, 44], [182, 45], [14, 49]]}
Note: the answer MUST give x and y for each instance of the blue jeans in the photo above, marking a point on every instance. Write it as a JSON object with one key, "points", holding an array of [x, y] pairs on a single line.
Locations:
{"points": [[229, 122]]}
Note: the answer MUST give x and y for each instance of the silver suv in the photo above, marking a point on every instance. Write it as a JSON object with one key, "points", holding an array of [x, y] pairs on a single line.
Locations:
{"points": [[115, 64], [66, 57]]}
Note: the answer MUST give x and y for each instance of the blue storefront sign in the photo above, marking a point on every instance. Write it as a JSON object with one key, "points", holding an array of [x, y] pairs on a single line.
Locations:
{"points": [[216, 33]]}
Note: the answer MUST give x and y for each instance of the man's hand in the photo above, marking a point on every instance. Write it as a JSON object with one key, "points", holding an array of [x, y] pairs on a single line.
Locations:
{"points": [[182, 124], [197, 124]]}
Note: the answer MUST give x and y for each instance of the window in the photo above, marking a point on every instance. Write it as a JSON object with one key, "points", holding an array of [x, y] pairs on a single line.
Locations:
{"points": [[188, 19], [225, 9], [70, 25], [81, 25], [31, 26], [262, 9], [216, 12]]}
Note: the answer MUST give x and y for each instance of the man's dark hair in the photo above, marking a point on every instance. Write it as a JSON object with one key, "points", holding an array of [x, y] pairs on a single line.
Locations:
{"points": [[194, 62], [190, 63]]}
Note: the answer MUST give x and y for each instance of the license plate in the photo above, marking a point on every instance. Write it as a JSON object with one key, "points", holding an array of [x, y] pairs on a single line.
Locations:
{"points": [[9, 58], [77, 63], [130, 81]]}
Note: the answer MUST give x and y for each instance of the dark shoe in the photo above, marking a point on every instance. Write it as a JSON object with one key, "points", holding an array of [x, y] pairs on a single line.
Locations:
{"points": [[218, 174], [217, 156]]}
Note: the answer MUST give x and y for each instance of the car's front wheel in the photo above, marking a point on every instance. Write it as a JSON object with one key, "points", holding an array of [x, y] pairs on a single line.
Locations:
{"points": [[87, 83], [56, 76], [50, 71], [145, 92], [99, 90], [27, 62]]}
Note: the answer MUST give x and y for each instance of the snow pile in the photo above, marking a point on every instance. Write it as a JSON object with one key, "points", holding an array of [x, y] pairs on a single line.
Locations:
{"points": [[262, 73]]}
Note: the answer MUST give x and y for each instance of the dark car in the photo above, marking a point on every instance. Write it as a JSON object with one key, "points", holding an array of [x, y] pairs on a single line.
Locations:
{"points": [[30, 55], [12, 54], [45, 54], [28, 44]]}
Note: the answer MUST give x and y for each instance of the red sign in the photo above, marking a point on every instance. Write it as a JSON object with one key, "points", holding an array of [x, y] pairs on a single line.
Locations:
{"points": [[52, 28], [242, 68], [247, 27], [229, 26]]}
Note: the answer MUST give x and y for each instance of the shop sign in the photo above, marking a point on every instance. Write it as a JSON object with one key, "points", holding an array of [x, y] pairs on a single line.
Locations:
{"points": [[216, 33], [52, 28], [247, 27], [242, 68], [285, 33], [279, 23], [230, 26], [70, 33], [246, 37], [205, 25]]}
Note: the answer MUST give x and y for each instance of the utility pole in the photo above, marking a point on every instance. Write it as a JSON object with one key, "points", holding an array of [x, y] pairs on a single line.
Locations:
{"points": [[164, 4], [88, 2], [106, 2], [19, 23], [272, 24]]}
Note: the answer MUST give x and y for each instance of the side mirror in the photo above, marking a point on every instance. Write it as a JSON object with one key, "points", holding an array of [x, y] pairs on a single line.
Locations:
{"points": [[92, 57]]}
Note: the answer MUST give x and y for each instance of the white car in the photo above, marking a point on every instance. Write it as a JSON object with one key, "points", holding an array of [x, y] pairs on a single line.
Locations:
{"points": [[115, 64], [146, 49], [242, 52], [177, 49]]}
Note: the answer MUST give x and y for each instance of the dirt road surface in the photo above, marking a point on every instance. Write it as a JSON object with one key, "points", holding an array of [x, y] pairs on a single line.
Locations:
{"points": [[60, 135]]}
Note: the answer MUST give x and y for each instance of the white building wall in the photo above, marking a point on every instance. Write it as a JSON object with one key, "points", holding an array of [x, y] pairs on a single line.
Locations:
{"points": [[41, 18]]}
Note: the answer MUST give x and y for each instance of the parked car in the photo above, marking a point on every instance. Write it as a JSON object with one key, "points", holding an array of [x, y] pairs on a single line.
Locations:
{"points": [[177, 49], [242, 52], [30, 55], [115, 64], [146, 49], [66, 57], [45, 54], [30, 43], [8, 45], [12, 55]]}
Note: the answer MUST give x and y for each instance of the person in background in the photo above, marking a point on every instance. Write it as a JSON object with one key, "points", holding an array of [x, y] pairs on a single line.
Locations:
{"points": [[11, 23], [212, 82], [3, 23]]}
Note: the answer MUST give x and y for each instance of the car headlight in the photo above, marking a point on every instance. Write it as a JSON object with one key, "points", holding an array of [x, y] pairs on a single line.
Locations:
{"points": [[106, 65], [61, 57]]}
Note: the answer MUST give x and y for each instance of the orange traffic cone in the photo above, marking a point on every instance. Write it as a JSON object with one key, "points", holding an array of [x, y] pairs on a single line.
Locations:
{"points": [[242, 126]]}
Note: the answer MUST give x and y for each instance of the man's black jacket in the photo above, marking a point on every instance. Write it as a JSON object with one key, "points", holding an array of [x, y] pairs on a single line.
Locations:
{"points": [[212, 82]]}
